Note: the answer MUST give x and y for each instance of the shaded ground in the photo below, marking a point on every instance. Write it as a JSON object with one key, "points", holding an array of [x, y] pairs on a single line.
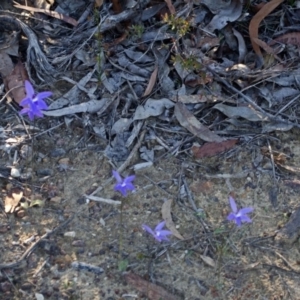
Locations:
{"points": [[103, 253]]}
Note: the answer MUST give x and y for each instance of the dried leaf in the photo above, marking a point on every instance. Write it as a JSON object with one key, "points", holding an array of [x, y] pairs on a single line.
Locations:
{"points": [[245, 112], [188, 120], [14, 83], [242, 45], [6, 64], [254, 24], [228, 14], [267, 48], [92, 106], [37, 202], [166, 214], [201, 98], [152, 291], [170, 7], [208, 260], [151, 82], [12, 199], [212, 149], [98, 3], [292, 38], [152, 108]]}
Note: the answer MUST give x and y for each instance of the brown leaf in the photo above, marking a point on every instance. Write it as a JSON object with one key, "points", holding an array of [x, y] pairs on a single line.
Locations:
{"points": [[151, 82], [208, 260], [170, 7], [255, 21], [292, 38], [6, 64], [166, 214], [267, 48], [14, 83], [12, 199], [98, 3], [212, 149], [153, 291], [204, 187], [188, 120]]}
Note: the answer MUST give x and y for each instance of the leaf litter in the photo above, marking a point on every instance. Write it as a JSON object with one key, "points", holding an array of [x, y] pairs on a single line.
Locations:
{"points": [[213, 84]]}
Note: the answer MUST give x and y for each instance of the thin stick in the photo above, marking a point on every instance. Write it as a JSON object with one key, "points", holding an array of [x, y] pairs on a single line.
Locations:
{"points": [[100, 199]]}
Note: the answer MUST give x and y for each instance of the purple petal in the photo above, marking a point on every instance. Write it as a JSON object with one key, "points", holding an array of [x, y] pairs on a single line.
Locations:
{"points": [[245, 210], [129, 179], [238, 221], [231, 217], [117, 176], [148, 229], [26, 101], [245, 218], [24, 111], [122, 189], [41, 104], [130, 187], [164, 233], [232, 204], [37, 112], [29, 89], [160, 226], [42, 95]]}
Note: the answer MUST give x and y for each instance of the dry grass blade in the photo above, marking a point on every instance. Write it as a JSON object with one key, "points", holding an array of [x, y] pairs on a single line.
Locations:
{"points": [[166, 214], [151, 82], [170, 7], [190, 122], [254, 24], [15, 81], [53, 14], [153, 291]]}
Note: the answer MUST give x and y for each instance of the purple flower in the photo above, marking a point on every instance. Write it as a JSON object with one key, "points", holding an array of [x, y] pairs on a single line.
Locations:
{"points": [[158, 233], [33, 103], [240, 216], [123, 184]]}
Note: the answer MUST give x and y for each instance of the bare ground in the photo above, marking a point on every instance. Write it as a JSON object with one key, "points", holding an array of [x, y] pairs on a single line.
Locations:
{"points": [[246, 262]]}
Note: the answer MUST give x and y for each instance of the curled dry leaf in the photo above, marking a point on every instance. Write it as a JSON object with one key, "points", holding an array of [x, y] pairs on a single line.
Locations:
{"points": [[152, 108], [245, 112], [166, 214], [170, 7], [242, 45], [92, 106], [212, 149], [291, 38], [14, 82], [151, 290], [151, 82], [208, 260], [229, 13], [189, 121], [254, 24], [12, 199]]}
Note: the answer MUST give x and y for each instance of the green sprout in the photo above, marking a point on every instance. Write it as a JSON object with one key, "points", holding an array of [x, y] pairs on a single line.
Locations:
{"points": [[179, 25], [189, 63]]}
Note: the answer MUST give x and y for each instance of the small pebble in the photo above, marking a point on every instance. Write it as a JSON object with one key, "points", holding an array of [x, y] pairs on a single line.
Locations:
{"points": [[78, 243], [15, 173], [57, 152]]}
